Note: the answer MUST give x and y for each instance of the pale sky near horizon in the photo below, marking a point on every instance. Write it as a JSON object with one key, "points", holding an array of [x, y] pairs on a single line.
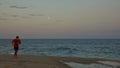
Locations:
{"points": [[60, 18]]}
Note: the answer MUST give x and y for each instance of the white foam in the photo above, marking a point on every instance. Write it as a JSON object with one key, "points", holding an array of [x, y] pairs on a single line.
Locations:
{"points": [[11, 53], [114, 64], [105, 64]]}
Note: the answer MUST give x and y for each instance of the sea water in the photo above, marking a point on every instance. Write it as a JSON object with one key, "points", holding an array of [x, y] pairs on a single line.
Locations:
{"points": [[88, 48]]}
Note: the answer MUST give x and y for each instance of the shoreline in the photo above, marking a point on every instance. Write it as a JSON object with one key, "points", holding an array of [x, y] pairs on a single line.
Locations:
{"points": [[33, 61]]}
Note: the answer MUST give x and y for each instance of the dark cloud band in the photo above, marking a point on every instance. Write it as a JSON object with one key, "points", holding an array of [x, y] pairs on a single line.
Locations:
{"points": [[1, 18], [36, 15], [18, 7]]}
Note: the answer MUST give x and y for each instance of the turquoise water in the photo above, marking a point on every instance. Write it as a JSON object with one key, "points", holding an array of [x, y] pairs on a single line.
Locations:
{"points": [[92, 48]]}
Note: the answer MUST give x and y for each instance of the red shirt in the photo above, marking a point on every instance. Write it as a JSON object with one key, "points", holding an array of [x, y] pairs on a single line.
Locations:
{"points": [[16, 42]]}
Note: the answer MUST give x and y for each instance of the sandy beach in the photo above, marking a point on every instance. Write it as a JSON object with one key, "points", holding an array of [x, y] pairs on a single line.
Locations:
{"points": [[29, 61]]}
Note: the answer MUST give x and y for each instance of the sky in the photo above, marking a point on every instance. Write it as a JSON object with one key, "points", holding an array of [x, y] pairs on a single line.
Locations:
{"points": [[60, 18]]}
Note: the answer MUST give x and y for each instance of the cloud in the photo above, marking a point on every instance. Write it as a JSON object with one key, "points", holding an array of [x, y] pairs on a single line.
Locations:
{"points": [[41, 15], [10, 15], [1, 18], [53, 19], [36, 14], [18, 7], [18, 16], [15, 15]]}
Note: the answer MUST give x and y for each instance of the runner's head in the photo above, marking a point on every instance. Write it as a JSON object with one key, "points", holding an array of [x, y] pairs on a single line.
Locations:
{"points": [[17, 36]]}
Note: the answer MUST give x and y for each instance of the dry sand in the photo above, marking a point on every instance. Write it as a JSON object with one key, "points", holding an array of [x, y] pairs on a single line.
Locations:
{"points": [[29, 61]]}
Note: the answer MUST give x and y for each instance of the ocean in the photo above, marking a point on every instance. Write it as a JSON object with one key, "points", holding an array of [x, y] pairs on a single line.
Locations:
{"points": [[87, 48]]}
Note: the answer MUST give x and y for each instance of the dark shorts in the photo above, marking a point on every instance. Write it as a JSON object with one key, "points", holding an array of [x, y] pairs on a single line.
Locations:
{"points": [[16, 48]]}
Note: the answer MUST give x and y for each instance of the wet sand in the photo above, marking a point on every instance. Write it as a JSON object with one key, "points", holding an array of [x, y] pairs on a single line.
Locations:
{"points": [[30, 61]]}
